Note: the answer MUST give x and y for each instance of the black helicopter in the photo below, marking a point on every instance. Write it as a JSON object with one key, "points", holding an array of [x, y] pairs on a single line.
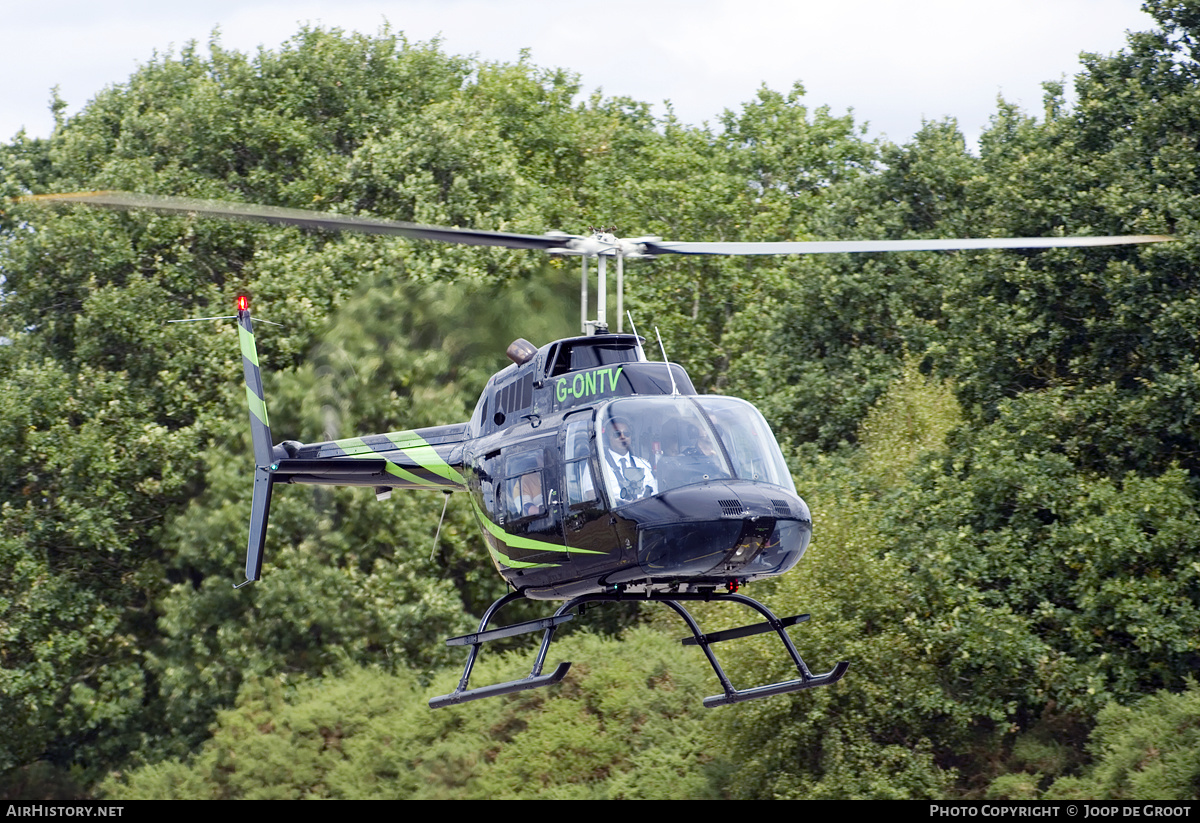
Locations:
{"points": [[595, 475]]}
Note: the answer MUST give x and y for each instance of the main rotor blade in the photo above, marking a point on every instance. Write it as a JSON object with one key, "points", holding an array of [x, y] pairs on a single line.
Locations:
{"points": [[558, 242], [301, 217], [860, 246]]}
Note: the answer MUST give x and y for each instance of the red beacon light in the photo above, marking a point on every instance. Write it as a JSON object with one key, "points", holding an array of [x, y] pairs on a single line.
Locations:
{"points": [[243, 303]]}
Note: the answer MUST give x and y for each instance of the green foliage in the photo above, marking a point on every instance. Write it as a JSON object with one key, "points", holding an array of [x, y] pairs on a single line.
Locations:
{"points": [[913, 419], [624, 724], [1146, 751], [822, 349], [120, 632], [1048, 555], [1104, 572], [1000, 448], [872, 735], [123, 504]]}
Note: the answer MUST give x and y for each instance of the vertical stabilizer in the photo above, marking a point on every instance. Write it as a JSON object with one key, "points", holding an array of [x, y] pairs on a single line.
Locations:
{"points": [[260, 433]]}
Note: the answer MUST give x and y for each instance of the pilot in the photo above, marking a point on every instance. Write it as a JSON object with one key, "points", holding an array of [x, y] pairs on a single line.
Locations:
{"points": [[627, 476]]}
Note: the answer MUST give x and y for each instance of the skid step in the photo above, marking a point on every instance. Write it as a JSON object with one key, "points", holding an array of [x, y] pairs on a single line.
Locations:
{"points": [[744, 631], [541, 624]]}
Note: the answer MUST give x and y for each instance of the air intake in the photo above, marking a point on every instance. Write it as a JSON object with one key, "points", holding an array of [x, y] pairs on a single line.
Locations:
{"points": [[732, 508]]}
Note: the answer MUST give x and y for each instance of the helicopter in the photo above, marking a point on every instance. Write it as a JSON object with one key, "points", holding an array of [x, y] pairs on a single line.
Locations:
{"points": [[594, 474]]}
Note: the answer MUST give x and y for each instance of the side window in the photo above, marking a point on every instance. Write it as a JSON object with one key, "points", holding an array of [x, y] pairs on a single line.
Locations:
{"points": [[581, 489], [524, 487], [484, 475]]}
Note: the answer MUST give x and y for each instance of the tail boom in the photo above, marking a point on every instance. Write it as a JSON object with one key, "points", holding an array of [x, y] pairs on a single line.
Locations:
{"points": [[429, 458]]}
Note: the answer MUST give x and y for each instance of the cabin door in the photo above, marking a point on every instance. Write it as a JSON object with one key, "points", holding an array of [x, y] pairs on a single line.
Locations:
{"points": [[585, 519]]}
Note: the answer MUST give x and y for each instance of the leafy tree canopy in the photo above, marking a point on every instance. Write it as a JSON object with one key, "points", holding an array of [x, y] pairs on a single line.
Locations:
{"points": [[1000, 447]]}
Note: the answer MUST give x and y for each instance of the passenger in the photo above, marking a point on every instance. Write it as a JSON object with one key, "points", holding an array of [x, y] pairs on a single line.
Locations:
{"points": [[691, 457], [525, 494], [699, 443]]}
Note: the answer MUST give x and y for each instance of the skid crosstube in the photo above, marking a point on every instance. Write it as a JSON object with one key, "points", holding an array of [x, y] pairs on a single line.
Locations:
{"points": [[535, 679]]}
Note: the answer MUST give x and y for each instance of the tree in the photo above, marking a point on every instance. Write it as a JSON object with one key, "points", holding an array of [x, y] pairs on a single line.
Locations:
{"points": [[1146, 751], [831, 336], [626, 723], [121, 634], [123, 507]]}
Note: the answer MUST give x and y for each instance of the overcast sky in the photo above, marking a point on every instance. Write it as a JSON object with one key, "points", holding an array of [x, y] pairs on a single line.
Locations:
{"points": [[894, 62]]}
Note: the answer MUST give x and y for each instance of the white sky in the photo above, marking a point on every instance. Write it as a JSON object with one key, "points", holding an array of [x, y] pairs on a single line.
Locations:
{"points": [[894, 62]]}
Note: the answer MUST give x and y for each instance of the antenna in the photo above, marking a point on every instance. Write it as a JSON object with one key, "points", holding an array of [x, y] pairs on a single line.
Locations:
{"points": [[662, 348], [633, 328], [583, 297]]}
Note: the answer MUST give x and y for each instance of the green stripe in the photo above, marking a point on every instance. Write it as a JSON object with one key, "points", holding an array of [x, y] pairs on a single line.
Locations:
{"points": [[516, 542], [427, 457], [403, 474], [513, 541], [247, 342], [257, 407], [413, 447], [505, 560], [366, 452]]}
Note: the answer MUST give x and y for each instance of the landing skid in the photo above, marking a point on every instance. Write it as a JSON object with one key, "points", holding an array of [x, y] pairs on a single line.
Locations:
{"points": [[535, 679]]}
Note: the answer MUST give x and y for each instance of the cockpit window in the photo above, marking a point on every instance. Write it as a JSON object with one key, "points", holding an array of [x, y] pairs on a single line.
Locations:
{"points": [[748, 440], [650, 445]]}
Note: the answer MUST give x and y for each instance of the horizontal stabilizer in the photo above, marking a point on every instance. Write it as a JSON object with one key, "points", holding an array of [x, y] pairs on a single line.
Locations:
{"points": [[331, 468]]}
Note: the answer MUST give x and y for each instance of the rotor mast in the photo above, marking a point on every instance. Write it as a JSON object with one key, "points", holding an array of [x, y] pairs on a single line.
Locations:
{"points": [[602, 245]]}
